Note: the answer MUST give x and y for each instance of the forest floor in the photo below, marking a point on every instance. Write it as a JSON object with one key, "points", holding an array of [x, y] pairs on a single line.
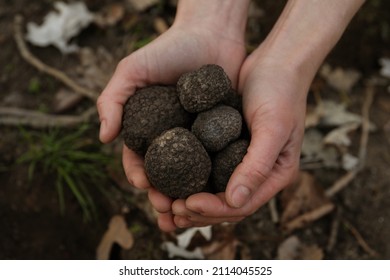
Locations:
{"points": [[60, 188]]}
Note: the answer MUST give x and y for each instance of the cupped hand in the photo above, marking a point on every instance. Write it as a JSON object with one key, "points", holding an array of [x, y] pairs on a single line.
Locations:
{"points": [[179, 50], [274, 103]]}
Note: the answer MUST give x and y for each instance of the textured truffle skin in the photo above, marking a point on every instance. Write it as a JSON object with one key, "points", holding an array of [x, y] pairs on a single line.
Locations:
{"points": [[217, 127], [177, 164], [226, 161], [148, 113], [202, 89]]}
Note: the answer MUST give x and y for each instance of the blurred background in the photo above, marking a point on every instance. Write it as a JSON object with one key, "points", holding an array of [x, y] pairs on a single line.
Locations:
{"points": [[63, 193]]}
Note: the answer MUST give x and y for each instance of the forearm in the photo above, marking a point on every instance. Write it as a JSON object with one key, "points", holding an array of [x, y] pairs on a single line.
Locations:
{"points": [[226, 16], [306, 32]]}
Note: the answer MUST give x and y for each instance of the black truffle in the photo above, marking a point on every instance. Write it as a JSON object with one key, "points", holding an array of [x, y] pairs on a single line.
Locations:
{"points": [[148, 113], [202, 89], [217, 127], [177, 164], [226, 161]]}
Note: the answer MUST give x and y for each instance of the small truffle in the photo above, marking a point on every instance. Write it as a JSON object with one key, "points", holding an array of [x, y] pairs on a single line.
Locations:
{"points": [[217, 127], [202, 89], [226, 161], [177, 164], [148, 113]]}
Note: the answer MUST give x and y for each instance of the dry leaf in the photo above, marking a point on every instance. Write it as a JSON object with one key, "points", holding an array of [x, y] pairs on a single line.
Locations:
{"points": [[303, 203], [336, 114], [65, 100], [142, 5], [110, 15], [176, 251], [221, 249], [160, 25], [341, 79], [117, 233], [184, 239], [340, 136], [293, 249], [96, 68]]}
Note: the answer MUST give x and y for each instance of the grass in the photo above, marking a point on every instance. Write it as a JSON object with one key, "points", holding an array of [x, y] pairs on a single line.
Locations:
{"points": [[74, 159]]}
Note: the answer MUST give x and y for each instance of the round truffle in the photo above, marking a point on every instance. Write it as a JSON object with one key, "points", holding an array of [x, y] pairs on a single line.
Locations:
{"points": [[226, 161], [148, 113], [217, 127], [202, 89], [177, 164]]}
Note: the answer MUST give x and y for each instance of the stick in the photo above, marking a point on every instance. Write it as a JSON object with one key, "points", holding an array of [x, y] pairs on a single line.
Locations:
{"points": [[360, 240], [308, 217], [348, 177], [32, 118], [34, 61]]}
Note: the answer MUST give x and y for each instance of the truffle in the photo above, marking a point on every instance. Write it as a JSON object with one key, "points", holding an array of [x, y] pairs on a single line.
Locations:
{"points": [[226, 161], [148, 113], [217, 127], [177, 164], [202, 89]]}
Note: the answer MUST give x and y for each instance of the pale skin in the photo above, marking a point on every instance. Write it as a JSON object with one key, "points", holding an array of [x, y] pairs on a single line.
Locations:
{"points": [[273, 80]]}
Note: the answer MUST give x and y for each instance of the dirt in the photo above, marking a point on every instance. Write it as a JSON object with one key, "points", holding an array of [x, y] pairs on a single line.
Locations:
{"points": [[32, 226]]}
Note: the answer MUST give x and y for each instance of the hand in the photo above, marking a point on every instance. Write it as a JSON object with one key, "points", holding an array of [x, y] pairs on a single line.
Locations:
{"points": [[181, 49], [274, 102]]}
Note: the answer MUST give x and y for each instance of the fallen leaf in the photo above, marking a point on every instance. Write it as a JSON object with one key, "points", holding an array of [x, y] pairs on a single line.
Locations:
{"points": [[117, 232], [142, 5], [221, 249], [303, 203], [110, 15], [184, 239], [65, 100], [336, 114], [160, 25], [340, 79], [294, 249], [340, 135], [176, 251], [59, 27]]}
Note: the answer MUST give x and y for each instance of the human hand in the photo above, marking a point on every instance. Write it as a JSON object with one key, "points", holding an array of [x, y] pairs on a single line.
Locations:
{"points": [[184, 47], [274, 102]]}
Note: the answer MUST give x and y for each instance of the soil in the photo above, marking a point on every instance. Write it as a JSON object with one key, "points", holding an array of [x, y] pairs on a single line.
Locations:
{"points": [[33, 227]]}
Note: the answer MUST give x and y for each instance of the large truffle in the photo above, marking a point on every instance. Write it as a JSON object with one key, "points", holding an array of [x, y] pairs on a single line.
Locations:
{"points": [[202, 89], [148, 113], [226, 161], [217, 127], [177, 164]]}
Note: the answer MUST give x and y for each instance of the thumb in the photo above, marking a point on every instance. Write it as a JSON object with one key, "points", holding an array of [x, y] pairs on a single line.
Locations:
{"points": [[256, 166], [110, 103]]}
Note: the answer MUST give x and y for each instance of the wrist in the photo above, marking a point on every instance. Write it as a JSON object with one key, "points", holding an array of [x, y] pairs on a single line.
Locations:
{"points": [[305, 33], [227, 17]]}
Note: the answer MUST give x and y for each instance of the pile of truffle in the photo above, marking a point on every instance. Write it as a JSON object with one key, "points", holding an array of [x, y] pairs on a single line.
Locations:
{"points": [[192, 136]]}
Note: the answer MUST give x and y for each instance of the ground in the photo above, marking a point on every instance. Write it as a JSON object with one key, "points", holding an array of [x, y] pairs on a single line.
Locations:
{"points": [[33, 226]]}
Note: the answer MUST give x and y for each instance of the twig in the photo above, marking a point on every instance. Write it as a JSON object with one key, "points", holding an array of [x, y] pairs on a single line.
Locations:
{"points": [[308, 217], [32, 118], [273, 210], [348, 177], [34, 61], [360, 240], [334, 231]]}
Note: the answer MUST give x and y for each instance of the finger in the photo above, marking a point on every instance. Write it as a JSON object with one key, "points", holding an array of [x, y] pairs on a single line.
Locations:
{"points": [[110, 103], [263, 151], [215, 206], [160, 202], [166, 223], [133, 165]]}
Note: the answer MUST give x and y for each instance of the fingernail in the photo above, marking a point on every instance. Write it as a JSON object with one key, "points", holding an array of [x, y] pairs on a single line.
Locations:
{"points": [[240, 196]]}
